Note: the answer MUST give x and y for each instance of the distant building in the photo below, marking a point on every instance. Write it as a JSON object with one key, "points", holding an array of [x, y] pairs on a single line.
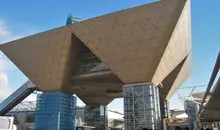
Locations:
{"points": [[24, 117]]}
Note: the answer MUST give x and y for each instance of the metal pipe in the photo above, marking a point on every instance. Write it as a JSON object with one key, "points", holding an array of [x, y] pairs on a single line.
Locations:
{"points": [[198, 86], [212, 79]]}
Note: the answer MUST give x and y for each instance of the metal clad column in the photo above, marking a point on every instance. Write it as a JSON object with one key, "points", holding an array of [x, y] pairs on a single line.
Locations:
{"points": [[55, 111], [141, 106], [164, 111], [96, 116]]}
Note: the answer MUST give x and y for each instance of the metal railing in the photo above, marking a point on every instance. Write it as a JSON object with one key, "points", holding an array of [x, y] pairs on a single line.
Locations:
{"points": [[24, 107]]}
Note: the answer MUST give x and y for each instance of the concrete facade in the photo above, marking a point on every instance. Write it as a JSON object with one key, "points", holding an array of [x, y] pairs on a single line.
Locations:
{"points": [[94, 58], [145, 40], [149, 40]]}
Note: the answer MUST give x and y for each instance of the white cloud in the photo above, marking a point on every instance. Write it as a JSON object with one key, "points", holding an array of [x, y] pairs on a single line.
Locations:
{"points": [[3, 29], [4, 86], [6, 34], [5, 90], [5, 64]]}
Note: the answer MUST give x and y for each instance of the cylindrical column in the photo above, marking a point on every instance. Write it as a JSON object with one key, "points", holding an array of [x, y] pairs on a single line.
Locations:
{"points": [[141, 106]]}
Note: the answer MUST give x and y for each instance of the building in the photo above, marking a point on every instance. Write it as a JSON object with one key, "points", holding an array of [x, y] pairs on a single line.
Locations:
{"points": [[141, 54], [7, 123]]}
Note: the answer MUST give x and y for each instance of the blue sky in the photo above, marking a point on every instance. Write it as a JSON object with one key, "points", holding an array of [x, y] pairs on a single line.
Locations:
{"points": [[26, 17]]}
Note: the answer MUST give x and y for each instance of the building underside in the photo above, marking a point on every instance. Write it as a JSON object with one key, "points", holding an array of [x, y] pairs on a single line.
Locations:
{"points": [[95, 58]]}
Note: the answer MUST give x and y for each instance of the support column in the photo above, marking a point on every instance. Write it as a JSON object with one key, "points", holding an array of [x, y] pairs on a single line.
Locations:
{"points": [[96, 116], [191, 111], [164, 112], [167, 108], [55, 111], [141, 106], [164, 109]]}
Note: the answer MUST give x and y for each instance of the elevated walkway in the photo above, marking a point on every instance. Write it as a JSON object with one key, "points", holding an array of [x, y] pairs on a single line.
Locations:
{"points": [[16, 97], [210, 107]]}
